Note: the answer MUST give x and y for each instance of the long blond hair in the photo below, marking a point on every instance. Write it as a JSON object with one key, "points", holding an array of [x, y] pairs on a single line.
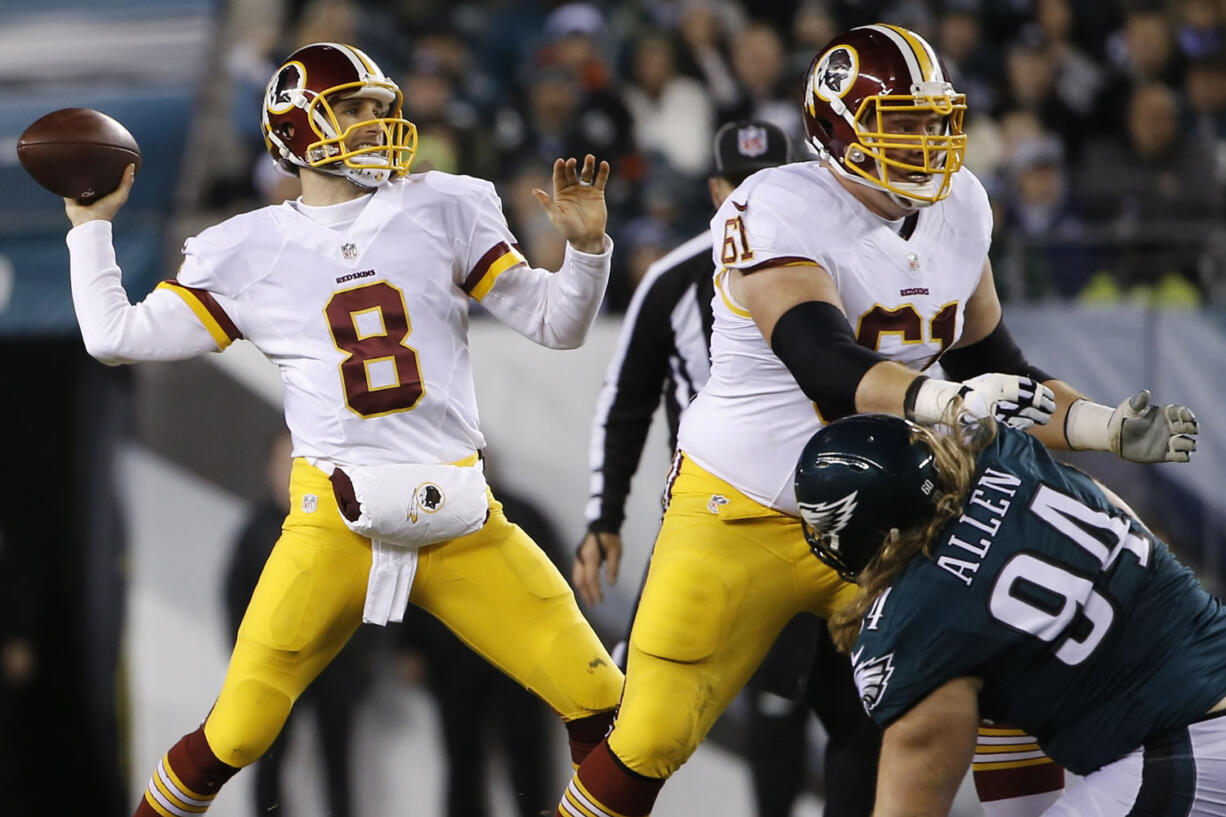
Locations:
{"points": [[955, 456]]}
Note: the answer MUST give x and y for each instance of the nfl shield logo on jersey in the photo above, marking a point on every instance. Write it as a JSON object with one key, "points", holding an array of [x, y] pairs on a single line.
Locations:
{"points": [[751, 141], [349, 251]]}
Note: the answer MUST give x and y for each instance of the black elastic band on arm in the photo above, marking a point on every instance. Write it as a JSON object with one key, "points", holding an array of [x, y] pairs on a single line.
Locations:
{"points": [[814, 340], [995, 353]]}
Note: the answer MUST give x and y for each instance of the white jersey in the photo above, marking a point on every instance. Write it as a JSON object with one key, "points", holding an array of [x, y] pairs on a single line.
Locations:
{"points": [[367, 322], [904, 298]]}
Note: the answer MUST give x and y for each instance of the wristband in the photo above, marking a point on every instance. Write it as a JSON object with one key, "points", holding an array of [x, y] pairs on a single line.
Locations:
{"points": [[930, 399], [1087, 426]]}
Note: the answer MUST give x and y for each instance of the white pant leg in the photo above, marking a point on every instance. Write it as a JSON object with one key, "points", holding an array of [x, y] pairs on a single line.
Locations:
{"points": [[1117, 790], [1209, 749], [1108, 792]]}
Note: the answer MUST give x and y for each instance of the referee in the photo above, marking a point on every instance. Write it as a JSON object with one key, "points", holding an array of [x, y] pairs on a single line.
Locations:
{"points": [[664, 351]]}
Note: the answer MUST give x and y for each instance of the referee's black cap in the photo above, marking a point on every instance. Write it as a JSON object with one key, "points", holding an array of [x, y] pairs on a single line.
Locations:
{"points": [[747, 145]]}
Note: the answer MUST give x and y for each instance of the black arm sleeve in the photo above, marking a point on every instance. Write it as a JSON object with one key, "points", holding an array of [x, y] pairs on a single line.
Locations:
{"points": [[814, 340], [995, 353]]}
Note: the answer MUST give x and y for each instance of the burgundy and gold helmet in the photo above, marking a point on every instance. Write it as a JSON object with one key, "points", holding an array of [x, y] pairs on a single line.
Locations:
{"points": [[858, 79], [301, 130]]}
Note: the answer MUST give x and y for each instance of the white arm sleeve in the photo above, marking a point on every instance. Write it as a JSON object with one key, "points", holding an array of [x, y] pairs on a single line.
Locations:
{"points": [[554, 309], [162, 327]]}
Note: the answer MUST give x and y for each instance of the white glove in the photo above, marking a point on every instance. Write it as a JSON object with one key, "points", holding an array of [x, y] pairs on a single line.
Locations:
{"points": [[1135, 430], [1018, 402]]}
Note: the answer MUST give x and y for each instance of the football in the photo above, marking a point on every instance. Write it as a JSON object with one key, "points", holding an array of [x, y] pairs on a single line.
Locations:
{"points": [[77, 153]]}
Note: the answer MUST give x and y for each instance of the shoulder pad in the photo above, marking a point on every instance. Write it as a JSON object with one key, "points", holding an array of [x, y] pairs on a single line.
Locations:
{"points": [[452, 184], [211, 253]]}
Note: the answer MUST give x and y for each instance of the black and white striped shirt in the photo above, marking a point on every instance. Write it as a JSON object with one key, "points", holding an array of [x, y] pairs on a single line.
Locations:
{"points": [[663, 350]]}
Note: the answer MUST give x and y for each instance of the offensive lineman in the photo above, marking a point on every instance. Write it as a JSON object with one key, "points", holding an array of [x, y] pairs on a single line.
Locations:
{"points": [[844, 276], [359, 292]]}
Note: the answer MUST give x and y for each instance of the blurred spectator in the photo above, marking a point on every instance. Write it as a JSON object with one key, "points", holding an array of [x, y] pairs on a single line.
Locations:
{"points": [[1204, 86], [1200, 30], [597, 121], [1154, 186], [480, 708], [1142, 50], [335, 695], [757, 64], [1078, 78], [1031, 72], [973, 64], [672, 113], [448, 134], [704, 26], [1041, 251]]}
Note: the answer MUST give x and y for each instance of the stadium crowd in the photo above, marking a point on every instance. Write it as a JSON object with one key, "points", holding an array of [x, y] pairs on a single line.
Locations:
{"points": [[1062, 95]]}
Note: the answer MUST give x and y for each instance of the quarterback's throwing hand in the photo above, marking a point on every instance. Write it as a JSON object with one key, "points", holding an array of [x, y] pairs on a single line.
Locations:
{"points": [[1142, 432], [577, 208], [105, 208], [1018, 402], [596, 548]]}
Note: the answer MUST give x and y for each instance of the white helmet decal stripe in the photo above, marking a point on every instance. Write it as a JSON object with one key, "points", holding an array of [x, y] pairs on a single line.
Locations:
{"points": [[362, 64], [908, 53], [930, 66]]}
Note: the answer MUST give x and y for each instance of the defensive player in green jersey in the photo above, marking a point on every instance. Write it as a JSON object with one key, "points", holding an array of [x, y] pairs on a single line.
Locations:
{"points": [[996, 582]]}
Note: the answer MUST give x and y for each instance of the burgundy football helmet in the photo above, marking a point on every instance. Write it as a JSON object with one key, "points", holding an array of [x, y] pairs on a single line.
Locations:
{"points": [[301, 130], [862, 77]]}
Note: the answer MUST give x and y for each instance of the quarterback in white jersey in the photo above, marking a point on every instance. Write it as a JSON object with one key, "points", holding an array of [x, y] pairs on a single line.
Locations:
{"points": [[359, 292], [838, 281]]}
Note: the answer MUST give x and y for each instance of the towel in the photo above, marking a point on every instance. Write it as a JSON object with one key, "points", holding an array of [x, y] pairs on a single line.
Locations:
{"points": [[401, 508]]}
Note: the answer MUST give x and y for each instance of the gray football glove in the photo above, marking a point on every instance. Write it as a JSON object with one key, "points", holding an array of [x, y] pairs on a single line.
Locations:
{"points": [[1018, 402], [1141, 432]]}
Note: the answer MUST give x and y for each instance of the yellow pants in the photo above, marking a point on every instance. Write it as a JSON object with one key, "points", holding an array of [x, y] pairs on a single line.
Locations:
{"points": [[726, 575], [494, 588]]}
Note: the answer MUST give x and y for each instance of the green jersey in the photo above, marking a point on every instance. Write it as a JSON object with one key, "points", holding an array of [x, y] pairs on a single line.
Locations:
{"points": [[1084, 629]]}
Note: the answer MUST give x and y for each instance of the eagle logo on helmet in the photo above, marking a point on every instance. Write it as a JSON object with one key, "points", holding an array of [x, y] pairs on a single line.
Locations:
{"points": [[828, 518], [836, 73]]}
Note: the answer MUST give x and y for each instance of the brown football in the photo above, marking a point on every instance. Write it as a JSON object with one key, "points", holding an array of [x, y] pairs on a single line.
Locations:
{"points": [[77, 153]]}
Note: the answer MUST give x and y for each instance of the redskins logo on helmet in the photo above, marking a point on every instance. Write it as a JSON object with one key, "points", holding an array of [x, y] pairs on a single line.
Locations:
{"points": [[855, 91], [301, 129]]}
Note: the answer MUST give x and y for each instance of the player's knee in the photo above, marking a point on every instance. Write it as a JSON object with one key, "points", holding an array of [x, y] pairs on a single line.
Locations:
{"points": [[686, 614], [597, 686], [655, 753], [245, 722]]}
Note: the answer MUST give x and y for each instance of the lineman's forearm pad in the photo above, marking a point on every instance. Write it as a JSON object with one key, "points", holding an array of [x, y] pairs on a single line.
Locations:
{"points": [[814, 340]]}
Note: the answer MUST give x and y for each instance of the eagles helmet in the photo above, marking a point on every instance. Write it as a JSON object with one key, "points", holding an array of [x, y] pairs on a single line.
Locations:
{"points": [[300, 129], [858, 79], [857, 479]]}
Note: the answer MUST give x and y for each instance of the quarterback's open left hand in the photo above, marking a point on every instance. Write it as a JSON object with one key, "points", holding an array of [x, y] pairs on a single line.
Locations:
{"points": [[1142, 432], [1019, 402], [577, 208]]}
